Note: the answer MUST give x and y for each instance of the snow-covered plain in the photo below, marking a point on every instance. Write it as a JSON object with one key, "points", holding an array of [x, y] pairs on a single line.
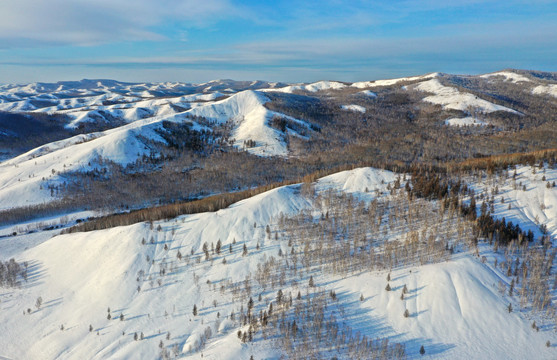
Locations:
{"points": [[455, 309]]}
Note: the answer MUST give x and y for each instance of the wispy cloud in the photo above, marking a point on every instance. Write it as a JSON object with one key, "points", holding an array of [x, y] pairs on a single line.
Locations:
{"points": [[84, 22]]}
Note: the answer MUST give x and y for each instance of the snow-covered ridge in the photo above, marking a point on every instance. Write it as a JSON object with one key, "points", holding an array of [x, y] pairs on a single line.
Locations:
{"points": [[389, 82], [246, 109], [313, 87]]}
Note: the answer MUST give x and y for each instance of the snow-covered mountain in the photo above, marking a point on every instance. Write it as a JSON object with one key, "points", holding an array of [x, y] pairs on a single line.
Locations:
{"points": [[350, 265], [153, 275]]}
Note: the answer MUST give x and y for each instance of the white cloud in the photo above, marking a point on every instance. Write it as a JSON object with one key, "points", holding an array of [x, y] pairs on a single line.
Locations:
{"points": [[85, 22]]}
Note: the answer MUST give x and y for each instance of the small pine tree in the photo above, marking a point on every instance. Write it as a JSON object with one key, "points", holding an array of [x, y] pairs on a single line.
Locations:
{"points": [[388, 287], [422, 350], [39, 302], [361, 297], [135, 336], [389, 277], [402, 296], [245, 251], [141, 336], [90, 328], [121, 317], [311, 284], [548, 343], [194, 310], [405, 289], [109, 316], [510, 307], [406, 313]]}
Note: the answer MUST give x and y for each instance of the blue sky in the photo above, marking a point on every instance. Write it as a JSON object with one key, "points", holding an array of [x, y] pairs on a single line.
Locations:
{"points": [[281, 40]]}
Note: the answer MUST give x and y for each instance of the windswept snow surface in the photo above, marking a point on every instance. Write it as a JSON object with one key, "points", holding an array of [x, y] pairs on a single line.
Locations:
{"points": [[352, 107], [455, 310], [452, 98]]}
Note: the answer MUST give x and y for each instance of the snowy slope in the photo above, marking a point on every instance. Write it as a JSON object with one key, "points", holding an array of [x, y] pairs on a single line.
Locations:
{"points": [[452, 98], [455, 311], [507, 76], [368, 93], [550, 89], [353, 107], [532, 207], [465, 121]]}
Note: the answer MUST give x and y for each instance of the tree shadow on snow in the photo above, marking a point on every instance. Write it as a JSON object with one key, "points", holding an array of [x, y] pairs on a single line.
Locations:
{"points": [[364, 321]]}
